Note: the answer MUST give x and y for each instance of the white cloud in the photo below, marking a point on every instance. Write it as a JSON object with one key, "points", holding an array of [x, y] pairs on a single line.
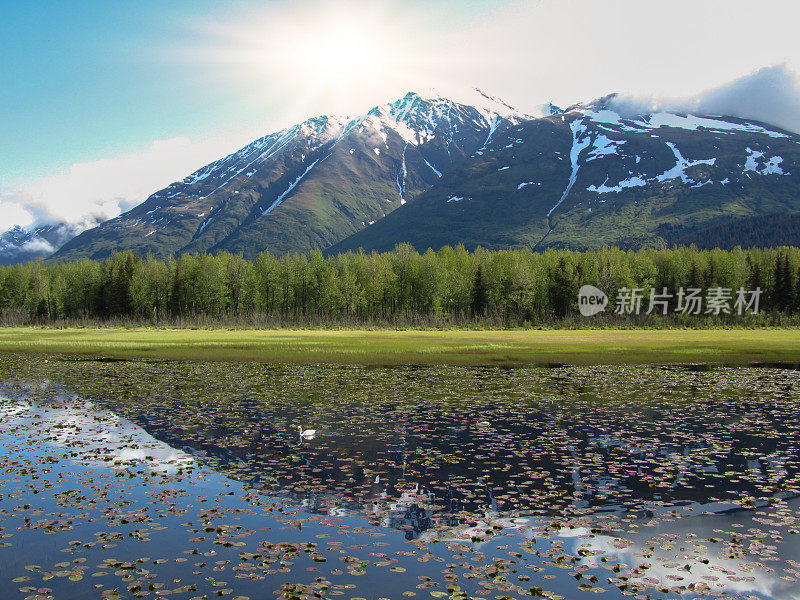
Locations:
{"points": [[34, 245], [13, 213], [573, 50], [771, 95], [104, 188]]}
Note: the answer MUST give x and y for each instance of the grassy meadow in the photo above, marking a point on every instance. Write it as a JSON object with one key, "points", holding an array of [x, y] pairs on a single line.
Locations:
{"points": [[387, 347]]}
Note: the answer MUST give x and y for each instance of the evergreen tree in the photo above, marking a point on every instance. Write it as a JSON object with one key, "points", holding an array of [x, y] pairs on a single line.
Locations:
{"points": [[479, 294], [782, 283], [693, 279], [562, 289], [754, 278], [797, 292], [116, 293]]}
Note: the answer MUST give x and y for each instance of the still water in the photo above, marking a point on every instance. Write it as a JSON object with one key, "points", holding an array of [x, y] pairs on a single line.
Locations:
{"points": [[187, 480]]}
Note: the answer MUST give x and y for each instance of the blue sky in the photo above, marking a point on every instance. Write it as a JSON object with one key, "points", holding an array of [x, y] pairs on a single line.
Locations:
{"points": [[81, 80], [103, 102]]}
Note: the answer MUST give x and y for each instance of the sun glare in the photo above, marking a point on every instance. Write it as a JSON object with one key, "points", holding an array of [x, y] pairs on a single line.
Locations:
{"points": [[336, 54], [331, 56]]}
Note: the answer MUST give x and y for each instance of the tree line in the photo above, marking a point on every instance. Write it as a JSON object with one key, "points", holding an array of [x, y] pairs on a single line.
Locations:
{"points": [[762, 231], [449, 287]]}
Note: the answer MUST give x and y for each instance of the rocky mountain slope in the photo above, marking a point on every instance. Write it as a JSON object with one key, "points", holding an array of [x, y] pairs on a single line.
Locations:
{"points": [[592, 176], [306, 187]]}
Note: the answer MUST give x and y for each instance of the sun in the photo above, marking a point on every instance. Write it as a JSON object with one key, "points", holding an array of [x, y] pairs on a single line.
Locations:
{"points": [[334, 56], [336, 53]]}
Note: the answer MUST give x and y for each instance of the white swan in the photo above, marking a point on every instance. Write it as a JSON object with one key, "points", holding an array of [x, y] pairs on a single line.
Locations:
{"points": [[308, 434]]}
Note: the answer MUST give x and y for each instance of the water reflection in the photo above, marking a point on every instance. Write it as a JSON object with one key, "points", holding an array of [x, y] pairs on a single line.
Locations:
{"points": [[746, 552], [97, 435], [563, 480]]}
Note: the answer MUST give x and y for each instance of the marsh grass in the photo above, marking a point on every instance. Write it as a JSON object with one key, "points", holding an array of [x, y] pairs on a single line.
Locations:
{"points": [[391, 347]]}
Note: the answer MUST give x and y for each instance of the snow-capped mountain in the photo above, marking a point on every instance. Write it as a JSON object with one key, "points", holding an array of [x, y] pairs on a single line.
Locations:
{"points": [[309, 186], [433, 171], [22, 245], [594, 175]]}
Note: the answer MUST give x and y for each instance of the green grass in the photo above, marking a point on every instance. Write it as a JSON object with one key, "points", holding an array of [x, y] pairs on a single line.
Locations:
{"points": [[383, 347]]}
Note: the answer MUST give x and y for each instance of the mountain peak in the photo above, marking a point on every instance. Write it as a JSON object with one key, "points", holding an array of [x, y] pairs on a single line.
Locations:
{"points": [[606, 102], [310, 185], [424, 100], [324, 126]]}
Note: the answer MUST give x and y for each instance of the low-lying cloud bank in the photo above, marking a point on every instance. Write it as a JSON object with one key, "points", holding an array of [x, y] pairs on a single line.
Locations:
{"points": [[771, 95], [95, 191]]}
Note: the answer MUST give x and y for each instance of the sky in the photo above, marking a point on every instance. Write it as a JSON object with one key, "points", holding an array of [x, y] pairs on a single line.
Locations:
{"points": [[103, 103]]}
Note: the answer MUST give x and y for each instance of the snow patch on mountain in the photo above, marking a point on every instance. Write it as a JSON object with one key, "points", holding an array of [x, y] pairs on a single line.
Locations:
{"points": [[199, 175], [751, 164], [494, 124], [773, 166], [417, 117], [676, 172], [527, 183], [274, 144], [605, 115], [769, 95], [401, 176], [487, 105], [693, 123], [769, 167], [288, 191], [578, 145], [628, 121], [248, 161], [679, 170], [603, 146], [604, 188], [434, 169]]}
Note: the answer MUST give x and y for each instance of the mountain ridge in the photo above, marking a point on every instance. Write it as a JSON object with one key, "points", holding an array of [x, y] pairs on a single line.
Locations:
{"points": [[304, 187], [433, 171], [590, 177]]}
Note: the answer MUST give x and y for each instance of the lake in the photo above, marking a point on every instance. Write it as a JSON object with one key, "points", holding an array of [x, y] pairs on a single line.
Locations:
{"points": [[132, 479]]}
